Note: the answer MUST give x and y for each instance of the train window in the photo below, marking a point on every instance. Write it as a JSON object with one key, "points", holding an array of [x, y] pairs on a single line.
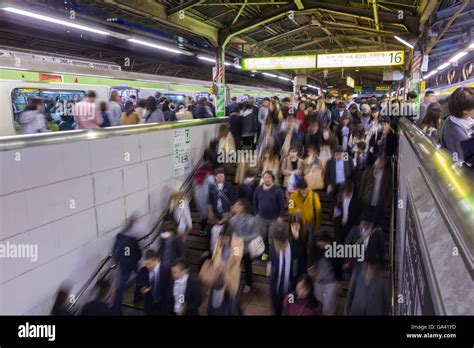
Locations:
{"points": [[176, 98], [57, 102], [201, 95], [125, 92]]}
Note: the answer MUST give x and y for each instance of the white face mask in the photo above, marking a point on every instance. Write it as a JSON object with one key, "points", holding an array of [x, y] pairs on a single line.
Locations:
{"points": [[326, 136]]}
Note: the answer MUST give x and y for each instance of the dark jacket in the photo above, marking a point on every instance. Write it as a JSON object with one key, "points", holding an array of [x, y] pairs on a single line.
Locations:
{"points": [[235, 126], [97, 308], [278, 202], [227, 199], [126, 251], [330, 174], [162, 305], [387, 148], [247, 190], [170, 249], [368, 299], [367, 185], [353, 218], [249, 123], [192, 296], [297, 267], [376, 241], [230, 107]]}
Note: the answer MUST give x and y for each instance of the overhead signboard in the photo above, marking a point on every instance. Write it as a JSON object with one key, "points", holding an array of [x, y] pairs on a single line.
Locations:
{"points": [[279, 63], [342, 60], [382, 88], [350, 82]]}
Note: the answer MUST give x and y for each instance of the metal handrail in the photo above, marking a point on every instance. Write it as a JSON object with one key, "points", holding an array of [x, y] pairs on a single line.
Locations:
{"points": [[454, 189], [27, 140], [186, 187], [392, 238]]}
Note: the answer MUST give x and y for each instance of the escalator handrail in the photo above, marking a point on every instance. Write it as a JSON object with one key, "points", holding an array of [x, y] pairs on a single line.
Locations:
{"points": [[186, 187]]}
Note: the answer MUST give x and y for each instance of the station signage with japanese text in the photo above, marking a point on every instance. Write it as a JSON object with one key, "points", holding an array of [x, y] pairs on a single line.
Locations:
{"points": [[360, 59], [279, 63]]}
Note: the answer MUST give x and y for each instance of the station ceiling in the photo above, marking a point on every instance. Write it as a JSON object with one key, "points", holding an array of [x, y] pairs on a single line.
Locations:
{"points": [[250, 28]]}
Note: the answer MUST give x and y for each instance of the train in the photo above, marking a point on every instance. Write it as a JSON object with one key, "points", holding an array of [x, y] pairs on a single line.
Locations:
{"points": [[25, 74]]}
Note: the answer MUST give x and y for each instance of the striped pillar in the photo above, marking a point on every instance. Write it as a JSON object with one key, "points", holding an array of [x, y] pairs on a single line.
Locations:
{"points": [[220, 82]]}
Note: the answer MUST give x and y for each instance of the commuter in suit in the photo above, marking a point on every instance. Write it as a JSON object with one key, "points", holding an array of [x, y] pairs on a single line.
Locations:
{"points": [[185, 291], [281, 267], [369, 236], [376, 188], [385, 142], [170, 246], [346, 212], [369, 292], [104, 302], [339, 169], [153, 281], [221, 197], [127, 254]]}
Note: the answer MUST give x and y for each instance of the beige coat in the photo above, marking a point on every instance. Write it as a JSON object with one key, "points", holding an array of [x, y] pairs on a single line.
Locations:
{"points": [[286, 169], [232, 268]]}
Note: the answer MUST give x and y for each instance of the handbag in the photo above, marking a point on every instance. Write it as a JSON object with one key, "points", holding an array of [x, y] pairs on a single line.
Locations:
{"points": [[215, 233], [256, 247], [208, 273]]}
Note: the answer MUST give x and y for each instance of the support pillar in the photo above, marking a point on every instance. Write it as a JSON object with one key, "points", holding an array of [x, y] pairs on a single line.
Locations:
{"points": [[219, 82]]}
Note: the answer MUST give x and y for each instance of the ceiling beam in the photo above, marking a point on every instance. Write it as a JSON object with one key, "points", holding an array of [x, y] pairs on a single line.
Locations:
{"points": [[183, 7], [157, 12], [239, 13], [299, 4], [433, 43]]}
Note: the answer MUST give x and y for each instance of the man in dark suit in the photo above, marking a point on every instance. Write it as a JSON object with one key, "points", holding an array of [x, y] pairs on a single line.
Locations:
{"points": [[369, 236], [282, 267], [221, 198], [346, 212], [385, 145], [184, 294], [127, 254], [104, 302], [153, 281], [339, 169]]}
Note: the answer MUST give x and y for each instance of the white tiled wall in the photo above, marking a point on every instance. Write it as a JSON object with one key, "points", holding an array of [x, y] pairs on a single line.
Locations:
{"points": [[71, 199]]}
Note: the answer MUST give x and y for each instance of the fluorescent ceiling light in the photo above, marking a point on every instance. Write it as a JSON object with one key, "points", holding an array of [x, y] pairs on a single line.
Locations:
{"points": [[324, 90], [471, 45], [404, 42], [431, 74], [268, 74], [212, 60], [160, 47], [443, 66], [70, 24], [207, 59], [458, 56], [284, 78]]}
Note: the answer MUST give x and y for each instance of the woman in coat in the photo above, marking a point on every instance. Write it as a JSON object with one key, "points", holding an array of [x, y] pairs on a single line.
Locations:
{"points": [[222, 274]]}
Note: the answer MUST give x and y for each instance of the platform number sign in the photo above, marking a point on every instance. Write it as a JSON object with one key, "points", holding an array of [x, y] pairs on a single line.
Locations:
{"points": [[182, 152]]}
